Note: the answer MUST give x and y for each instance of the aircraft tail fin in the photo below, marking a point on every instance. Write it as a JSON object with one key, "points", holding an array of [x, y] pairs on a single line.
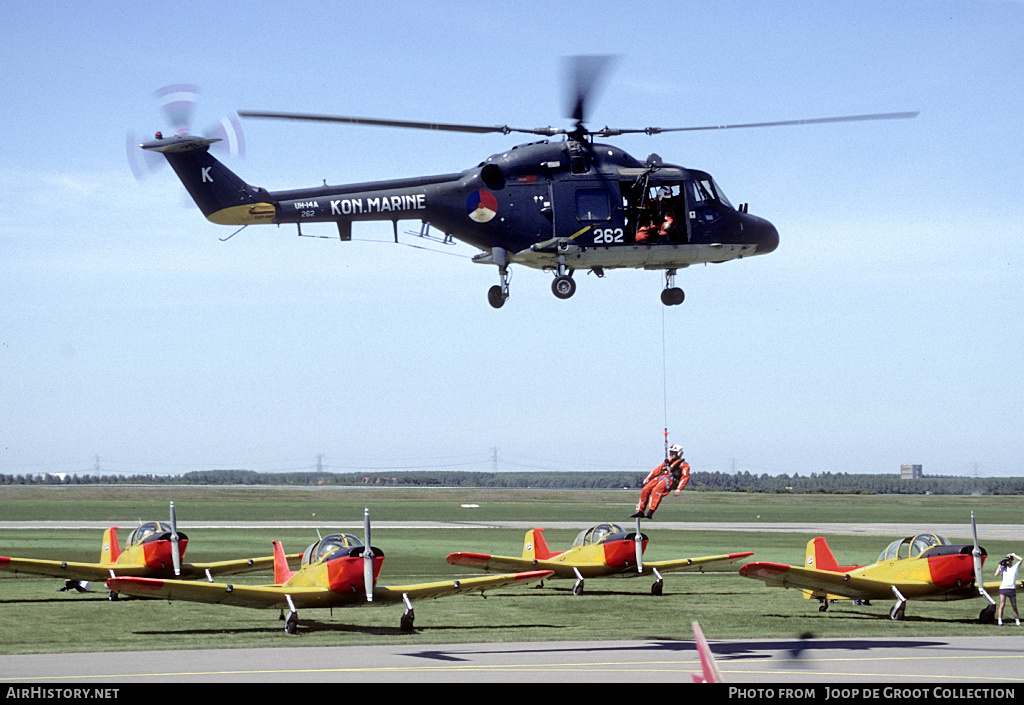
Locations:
{"points": [[281, 570], [534, 545], [820, 556], [110, 550], [220, 194]]}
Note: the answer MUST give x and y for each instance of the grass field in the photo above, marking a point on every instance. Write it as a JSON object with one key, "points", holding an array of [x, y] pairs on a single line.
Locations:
{"points": [[39, 620]]}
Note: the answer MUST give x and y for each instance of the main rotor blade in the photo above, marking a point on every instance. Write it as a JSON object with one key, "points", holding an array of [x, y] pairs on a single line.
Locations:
{"points": [[979, 578], [613, 132], [380, 122], [583, 77]]}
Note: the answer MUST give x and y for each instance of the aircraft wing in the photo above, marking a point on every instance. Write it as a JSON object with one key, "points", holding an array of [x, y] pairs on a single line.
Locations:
{"points": [[68, 570], [494, 564], [277, 596], [508, 564], [422, 591], [233, 567], [254, 596], [684, 565], [824, 581]]}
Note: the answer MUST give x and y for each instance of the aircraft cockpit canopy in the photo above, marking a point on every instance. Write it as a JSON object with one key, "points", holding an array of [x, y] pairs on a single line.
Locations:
{"points": [[329, 545], [596, 534], [912, 546], [705, 191], [151, 531]]}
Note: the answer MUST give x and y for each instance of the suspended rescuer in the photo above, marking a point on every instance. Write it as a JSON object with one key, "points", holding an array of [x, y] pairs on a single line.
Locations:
{"points": [[673, 474]]}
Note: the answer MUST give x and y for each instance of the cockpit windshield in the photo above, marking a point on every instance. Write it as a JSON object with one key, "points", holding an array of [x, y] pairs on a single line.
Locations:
{"points": [[328, 545], [911, 547], [596, 534], [149, 532], [705, 191]]}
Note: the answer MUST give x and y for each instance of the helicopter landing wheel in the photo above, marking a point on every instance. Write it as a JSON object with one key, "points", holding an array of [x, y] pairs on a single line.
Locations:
{"points": [[563, 286], [496, 297], [672, 296]]}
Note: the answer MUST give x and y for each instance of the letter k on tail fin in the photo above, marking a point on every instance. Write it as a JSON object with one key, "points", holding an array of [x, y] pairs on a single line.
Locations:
{"points": [[220, 194]]}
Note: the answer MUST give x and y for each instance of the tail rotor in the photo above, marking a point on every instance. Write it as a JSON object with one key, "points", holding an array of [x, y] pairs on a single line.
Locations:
{"points": [[178, 103]]}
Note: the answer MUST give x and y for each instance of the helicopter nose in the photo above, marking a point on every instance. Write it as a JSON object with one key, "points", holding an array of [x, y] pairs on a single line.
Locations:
{"points": [[767, 237]]}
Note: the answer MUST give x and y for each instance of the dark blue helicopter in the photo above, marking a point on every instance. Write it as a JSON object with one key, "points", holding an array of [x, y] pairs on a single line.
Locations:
{"points": [[566, 205]]}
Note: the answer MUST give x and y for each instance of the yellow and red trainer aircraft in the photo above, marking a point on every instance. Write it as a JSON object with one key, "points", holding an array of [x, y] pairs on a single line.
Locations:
{"points": [[604, 550], [337, 571], [926, 566], [154, 549]]}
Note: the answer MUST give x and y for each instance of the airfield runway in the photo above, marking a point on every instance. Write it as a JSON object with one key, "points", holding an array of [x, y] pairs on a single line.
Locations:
{"points": [[959, 662]]}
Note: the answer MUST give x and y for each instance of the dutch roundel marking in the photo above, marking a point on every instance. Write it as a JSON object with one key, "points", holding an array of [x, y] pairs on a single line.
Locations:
{"points": [[482, 206]]}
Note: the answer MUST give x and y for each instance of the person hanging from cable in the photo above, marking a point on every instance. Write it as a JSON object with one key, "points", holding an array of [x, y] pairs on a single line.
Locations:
{"points": [[673, 474]]}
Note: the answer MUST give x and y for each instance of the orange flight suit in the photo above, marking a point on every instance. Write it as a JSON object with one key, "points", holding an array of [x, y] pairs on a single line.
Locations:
{"points": [[669, 476]]}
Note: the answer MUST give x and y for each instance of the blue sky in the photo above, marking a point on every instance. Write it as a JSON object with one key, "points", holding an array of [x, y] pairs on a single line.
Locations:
{"points": [[884, 330]]}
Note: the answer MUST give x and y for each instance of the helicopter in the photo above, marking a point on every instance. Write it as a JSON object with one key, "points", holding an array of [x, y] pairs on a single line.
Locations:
{"points": [[560, 205]]}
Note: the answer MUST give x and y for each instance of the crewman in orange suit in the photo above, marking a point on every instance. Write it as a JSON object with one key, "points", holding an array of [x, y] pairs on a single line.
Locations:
{"points": [[673, 474]]}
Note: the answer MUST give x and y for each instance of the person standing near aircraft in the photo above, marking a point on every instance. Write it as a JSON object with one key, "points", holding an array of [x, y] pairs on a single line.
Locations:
{"points": [[1008, 587], [673, 474]]}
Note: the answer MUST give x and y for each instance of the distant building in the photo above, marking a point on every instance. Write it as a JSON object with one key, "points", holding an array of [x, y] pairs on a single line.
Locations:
{"points": [[911, 472]]}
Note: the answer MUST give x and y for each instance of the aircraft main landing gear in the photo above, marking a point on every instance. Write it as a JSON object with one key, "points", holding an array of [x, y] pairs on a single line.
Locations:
{"points": [[899, 610], [408, 617], [498, 294], [563, 286]]}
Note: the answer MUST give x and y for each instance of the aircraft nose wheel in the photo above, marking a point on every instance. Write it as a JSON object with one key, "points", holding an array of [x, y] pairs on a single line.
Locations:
{"points": [[673, 296], [496, 296], [563, 286]]}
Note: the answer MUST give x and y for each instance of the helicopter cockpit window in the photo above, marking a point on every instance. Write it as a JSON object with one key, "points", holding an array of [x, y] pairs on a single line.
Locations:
{"points": [[703, 192], [592, 204]]}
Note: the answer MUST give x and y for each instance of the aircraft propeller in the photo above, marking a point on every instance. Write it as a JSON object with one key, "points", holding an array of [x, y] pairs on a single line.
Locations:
{"points": [[175, 547], [638, 547], [976, 552], [178, 102], [367, 557]]}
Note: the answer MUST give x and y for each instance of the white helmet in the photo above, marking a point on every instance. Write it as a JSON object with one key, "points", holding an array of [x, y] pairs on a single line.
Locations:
{"points": [[677, 449]]}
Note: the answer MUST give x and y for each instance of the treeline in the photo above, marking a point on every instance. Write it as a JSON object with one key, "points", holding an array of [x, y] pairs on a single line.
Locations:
{"points": [[826, 483]]}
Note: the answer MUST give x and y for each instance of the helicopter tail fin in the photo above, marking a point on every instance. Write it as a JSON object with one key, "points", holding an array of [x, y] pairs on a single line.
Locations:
{"points": [[220, 194]]}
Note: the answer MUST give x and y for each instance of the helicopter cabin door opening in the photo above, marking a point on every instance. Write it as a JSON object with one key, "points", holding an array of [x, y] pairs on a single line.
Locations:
{"points": [[656, 211], [587, 213]]}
